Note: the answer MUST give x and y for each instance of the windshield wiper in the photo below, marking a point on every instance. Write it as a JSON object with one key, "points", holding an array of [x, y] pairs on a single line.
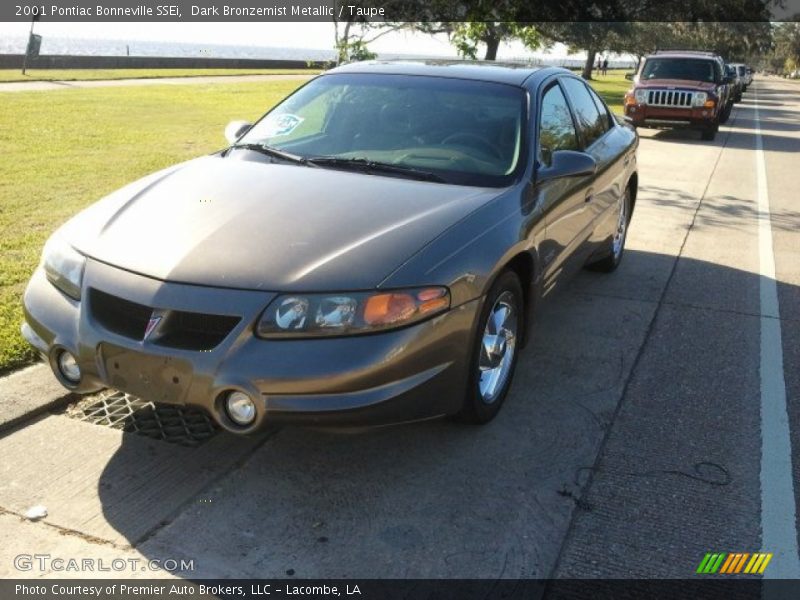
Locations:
{"points": [[371, 166], [270, 151]]}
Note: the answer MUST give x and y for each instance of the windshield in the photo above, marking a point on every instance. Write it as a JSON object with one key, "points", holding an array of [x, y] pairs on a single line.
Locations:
{"points": [[690, 69], [466, 132]]}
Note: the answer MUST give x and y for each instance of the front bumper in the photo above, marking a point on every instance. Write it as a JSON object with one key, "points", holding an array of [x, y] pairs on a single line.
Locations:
{"points": [[408, 374], [642, 115]]}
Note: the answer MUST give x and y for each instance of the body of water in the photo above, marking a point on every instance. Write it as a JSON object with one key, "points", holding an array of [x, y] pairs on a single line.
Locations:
{"points": [[99, 47]]}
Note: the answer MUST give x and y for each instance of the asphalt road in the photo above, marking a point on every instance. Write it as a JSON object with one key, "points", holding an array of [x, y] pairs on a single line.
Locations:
{"points": [[656, 417]]}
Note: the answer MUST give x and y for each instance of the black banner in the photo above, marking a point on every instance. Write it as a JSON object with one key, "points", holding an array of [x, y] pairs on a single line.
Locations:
{"points": [[34, 45], [705, 588], [397, 10]]}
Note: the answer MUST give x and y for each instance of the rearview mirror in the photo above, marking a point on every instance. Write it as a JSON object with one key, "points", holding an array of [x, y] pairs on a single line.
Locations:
{"points": [[630, 76], [567, 163], [236, 129]]}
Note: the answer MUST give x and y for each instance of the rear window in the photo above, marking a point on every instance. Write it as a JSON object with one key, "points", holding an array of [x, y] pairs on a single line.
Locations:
{"points": [[690, 69], [591, 123]]}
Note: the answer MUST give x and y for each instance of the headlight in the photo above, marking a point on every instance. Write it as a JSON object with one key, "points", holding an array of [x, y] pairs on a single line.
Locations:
{"points": [[314, 315], [63, 266], [641, 96], [699, 98]]}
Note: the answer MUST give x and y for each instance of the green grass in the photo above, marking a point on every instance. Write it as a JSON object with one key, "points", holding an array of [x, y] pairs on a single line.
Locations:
{"points": [[8, 75], [62, 150], [612, 88]]}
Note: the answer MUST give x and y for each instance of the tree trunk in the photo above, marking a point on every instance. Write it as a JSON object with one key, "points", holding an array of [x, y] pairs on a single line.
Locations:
{"points": [[492, 44], [589, 64]]}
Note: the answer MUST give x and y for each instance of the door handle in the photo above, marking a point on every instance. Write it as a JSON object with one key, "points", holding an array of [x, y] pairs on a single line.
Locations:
{"points": [[589, 196], [627, 160]]}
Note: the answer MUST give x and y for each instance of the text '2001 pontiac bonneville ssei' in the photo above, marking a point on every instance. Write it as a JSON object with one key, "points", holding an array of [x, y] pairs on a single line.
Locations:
{"points": [[369, 252]]}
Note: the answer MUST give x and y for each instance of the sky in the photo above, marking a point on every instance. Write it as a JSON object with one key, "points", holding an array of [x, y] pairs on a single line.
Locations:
{"points": [[288, 35]]}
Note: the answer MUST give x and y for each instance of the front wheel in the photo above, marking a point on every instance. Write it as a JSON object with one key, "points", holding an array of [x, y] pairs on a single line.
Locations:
{"points": [[709, 133], [495, 348], [726, 113]]}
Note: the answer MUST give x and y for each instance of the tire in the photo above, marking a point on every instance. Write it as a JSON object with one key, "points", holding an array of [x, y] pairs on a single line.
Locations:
{"points": [[616, 246], [726, 113], [709, 133], [490, 375]]}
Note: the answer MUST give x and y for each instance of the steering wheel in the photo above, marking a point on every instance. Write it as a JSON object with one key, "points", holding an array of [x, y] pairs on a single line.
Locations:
{"points": [[471, 137]]}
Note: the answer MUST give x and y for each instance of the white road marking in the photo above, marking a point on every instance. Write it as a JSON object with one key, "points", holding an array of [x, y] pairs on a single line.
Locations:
{"points": [[778, 530]]}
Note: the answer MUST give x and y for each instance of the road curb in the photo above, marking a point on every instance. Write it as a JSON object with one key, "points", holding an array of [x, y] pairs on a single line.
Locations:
{"points": [[27, 393]]}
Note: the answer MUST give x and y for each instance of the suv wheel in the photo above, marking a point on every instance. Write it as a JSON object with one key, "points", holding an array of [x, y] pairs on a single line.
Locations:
{"points": [[726, 113], [710, 132]]}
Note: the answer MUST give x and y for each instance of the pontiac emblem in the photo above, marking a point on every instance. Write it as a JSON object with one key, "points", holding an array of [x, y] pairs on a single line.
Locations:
{"points": [[151, 325]]}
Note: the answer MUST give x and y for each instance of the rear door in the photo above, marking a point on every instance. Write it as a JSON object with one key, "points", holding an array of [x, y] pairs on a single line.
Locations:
{"points": [[594, 128]]}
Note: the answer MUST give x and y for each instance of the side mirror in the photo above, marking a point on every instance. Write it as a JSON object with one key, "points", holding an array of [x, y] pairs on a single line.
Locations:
{"points": [[630, 76], [567, 163], [236, 129]]}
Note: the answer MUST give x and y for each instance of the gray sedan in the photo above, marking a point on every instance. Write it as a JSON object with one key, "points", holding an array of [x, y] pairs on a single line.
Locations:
{"points": [[369, 252]]}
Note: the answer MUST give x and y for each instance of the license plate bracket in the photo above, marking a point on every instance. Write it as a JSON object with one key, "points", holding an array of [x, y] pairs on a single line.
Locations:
{"points": [[150, 377]]}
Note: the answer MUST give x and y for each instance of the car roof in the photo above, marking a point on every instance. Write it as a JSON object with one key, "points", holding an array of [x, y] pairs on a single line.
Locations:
{"points": [[498, 72], [685, 54]]}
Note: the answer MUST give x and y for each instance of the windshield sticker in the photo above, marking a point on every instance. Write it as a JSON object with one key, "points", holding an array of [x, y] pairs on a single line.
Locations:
{"points": [[281, 124]]}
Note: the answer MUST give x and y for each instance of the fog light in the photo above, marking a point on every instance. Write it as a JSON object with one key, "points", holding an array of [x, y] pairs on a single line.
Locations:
{"points": [[240, 408], [68, 367]]}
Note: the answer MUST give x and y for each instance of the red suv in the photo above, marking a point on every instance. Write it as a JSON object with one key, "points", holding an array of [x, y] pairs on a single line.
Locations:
{"points": [[680, 88]]}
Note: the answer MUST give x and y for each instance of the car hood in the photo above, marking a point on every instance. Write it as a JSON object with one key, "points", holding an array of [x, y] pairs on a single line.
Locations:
{"points": [[253, 225], [682, 84]]}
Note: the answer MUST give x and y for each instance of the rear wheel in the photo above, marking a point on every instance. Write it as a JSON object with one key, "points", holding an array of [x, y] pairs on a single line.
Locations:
{"points": [[617, 244], [495, 349]]}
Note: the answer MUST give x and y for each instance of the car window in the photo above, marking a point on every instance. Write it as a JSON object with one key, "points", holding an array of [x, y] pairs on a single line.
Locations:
{"points": [[742, 71], [690, 69], [467, 132], [591, 123], [556, 128], [601, 107]]}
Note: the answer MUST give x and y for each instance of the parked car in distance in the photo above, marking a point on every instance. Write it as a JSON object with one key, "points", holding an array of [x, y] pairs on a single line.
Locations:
{"points": [[746, 74], [369, 252], [680, 88], [737, 82]]}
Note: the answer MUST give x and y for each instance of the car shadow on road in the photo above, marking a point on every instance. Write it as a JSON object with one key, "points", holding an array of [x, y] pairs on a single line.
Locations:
{"points": [[722, 211], [433, 499]]}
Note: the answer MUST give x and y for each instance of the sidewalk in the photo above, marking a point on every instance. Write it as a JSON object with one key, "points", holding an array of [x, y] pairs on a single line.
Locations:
{"points": [[28, 392], [40, 86]]}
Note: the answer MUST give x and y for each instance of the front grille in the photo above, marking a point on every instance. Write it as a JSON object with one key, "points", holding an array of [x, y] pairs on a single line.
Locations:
{"points": [[195, 331], [670, 98], [184, 425], [177, 329], [121, 316]]}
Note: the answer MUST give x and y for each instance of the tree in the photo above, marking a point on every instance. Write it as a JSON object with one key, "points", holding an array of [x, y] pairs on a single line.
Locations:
{"points": [[467, 37], [786, 54], [590, 37], [352, 35]]}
